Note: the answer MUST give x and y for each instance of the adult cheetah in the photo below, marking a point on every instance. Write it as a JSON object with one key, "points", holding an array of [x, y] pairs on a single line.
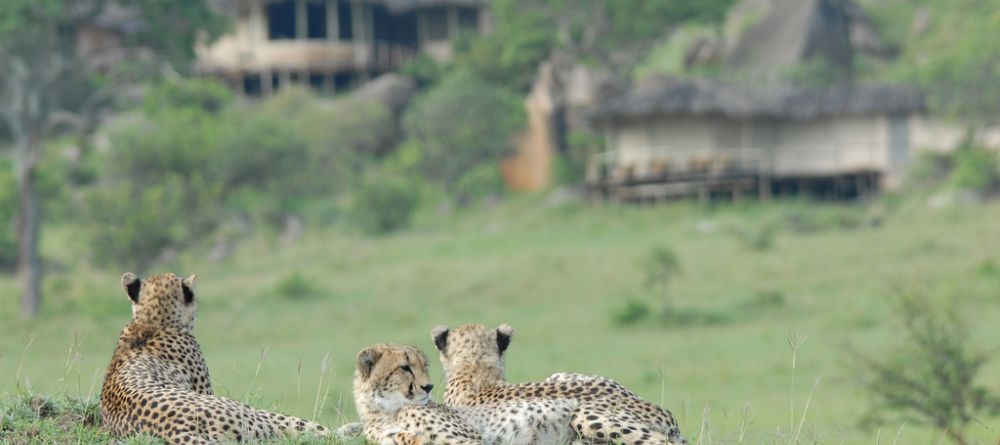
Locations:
{"points": [[158, 381], [392, 394], [565, 407]]}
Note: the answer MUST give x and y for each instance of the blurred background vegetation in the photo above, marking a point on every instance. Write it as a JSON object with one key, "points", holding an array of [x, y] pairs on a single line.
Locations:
{"points": [[320, 224]]}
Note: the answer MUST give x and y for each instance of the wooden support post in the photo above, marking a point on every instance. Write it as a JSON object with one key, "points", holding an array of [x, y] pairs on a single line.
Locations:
{"points": [[332, 21], [360, 41], [266, 82], [452, 22], [301, 20]]}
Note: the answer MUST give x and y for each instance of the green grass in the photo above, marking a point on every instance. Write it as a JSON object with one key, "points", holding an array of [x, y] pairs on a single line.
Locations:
{"points": [[557, 274]]}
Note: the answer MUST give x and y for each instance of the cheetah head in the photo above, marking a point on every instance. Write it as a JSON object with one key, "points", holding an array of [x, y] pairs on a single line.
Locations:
{"points": [[162, 300], [472, 346], [389, 377]]}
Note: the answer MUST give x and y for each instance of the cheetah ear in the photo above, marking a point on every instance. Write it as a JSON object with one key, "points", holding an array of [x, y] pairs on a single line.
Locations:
{"points": [[366, 360], [132, 284], [188, 287], [504, 334], [440, 336]]}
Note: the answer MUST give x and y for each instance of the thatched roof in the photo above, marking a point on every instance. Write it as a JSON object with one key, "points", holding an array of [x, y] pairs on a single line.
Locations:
{"points": [[704, 97]]}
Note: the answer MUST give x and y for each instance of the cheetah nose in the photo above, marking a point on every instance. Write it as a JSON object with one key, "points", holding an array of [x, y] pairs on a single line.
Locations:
{"points": [[427, 388]]}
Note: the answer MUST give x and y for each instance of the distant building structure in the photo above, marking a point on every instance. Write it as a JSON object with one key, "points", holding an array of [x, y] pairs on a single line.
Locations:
{"points": [[330, 45], [698, 137]]}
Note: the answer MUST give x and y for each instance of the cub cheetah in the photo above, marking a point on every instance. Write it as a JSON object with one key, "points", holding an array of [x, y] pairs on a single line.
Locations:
{"points": [[158, 382], [563, 408], [392, 394]]}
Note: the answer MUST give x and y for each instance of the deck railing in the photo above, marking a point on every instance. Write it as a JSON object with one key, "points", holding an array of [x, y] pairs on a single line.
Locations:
{"points": [[673, 164]]}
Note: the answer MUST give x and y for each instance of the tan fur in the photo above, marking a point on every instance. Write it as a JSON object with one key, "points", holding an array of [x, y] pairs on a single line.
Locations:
{"points": [[158, 381], [392, 395], [563, 408]]}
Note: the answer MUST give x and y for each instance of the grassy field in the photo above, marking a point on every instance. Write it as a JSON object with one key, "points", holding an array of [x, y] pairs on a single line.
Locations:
{"points": [[280, 322]]}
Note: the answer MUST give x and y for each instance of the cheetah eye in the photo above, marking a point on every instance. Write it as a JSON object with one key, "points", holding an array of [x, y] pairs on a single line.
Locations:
{"points": [[406, 368]]}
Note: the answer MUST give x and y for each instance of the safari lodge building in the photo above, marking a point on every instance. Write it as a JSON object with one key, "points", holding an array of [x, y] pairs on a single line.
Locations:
{"points": [[331, 45], [703, 137]]}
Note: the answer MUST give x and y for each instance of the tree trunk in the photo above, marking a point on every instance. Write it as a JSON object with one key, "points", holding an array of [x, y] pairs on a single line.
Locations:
{"points": [[28, 262]]}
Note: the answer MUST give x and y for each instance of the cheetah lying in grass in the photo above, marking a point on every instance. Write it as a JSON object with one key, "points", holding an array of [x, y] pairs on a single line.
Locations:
{"points": [[158, 382], [566, 407], [392, 394]]}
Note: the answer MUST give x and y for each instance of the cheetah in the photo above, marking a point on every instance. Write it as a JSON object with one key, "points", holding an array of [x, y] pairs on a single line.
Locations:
{"points": [[566, 407], [158, 381], [392, 394]]}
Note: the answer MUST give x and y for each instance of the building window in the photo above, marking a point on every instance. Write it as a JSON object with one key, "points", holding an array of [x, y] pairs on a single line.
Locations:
{"points": [[316, 20], [468, 19], [437, 23], [345, 22], [281, 20]]}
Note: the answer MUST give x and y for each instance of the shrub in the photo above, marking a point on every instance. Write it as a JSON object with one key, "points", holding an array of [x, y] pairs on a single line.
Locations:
{"points": [[385, 202], [459, 124], [131, 225], [296, 286], [483, 180], [202, 94], [976, 169], [757, 238], [571, 166], [662, 266], [631, 312], [931, 376]]}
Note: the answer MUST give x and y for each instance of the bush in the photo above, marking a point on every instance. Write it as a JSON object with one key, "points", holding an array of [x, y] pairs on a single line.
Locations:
{"points": [[631, 312], [757, 238], [385, 203], [662, 267], [976, 169], [461, 123], [931, 376], [202, 94], [483, 180], [132, 225], [295, 287]]}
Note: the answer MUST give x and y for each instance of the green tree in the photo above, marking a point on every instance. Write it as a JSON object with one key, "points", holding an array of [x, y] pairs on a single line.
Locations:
{"points": [[930, 377], [459, 124], [615, 34], [954, 56], [662, 267], [48, 85]]}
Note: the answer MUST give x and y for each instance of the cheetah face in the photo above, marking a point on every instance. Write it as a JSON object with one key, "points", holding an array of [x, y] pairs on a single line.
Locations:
{"points": [[391, 376], [162, 300], [472, 345]]}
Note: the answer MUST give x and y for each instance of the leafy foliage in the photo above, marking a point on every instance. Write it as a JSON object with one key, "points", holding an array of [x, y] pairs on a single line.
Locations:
{"points": [[615, 34], [956, 59], [975, 168], [662, 267], [931, 377], [459, 124], [385, 202]]}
